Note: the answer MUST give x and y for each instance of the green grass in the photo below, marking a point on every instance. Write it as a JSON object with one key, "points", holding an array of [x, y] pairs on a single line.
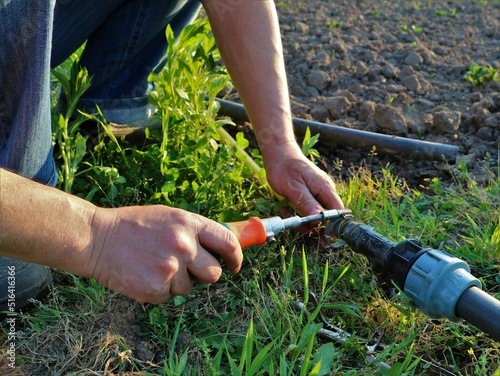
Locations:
{"points": [[247, 324]]}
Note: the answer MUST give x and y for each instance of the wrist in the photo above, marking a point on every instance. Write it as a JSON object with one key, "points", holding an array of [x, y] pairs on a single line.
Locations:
{"points": [[101, 224], [282, 151]]}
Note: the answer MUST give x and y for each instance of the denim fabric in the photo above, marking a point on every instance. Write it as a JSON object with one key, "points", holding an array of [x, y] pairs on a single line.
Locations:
{"points": [[25, 130], [125, 42]]}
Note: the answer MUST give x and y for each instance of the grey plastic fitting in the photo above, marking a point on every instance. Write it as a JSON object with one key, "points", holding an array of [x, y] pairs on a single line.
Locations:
{"points": [[436, 281]]}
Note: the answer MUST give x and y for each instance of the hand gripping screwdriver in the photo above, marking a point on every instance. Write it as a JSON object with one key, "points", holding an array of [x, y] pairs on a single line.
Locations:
{"points": [[256, 231]]}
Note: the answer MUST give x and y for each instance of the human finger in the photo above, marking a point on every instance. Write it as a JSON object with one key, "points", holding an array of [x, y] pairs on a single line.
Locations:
{"points": [[318, 193], [182, 283], [217, 239], [325, 193], [204, 268]]}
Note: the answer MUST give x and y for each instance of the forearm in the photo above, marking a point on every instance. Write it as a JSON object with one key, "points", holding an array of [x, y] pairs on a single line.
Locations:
{"points": [[248, 37], [43, 225]]}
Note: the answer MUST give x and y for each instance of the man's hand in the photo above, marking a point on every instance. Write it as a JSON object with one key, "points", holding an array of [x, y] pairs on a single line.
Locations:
{"points": [[295, 177], [152, 253], [148, 253]]}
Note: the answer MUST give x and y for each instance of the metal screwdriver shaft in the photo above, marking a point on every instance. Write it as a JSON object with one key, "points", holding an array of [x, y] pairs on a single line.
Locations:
{"points": [[256, 231]]}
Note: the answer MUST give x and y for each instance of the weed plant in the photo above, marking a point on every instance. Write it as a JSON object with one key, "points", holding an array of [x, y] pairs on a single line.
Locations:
{"points": [[480, 74], [249, 324]]}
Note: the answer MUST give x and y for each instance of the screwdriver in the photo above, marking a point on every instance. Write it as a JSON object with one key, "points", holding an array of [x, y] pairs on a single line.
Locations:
{"points": [[256, 231]]}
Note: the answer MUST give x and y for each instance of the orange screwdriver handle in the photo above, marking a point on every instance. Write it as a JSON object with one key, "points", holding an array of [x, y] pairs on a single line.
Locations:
{"points": [[250, 232]]}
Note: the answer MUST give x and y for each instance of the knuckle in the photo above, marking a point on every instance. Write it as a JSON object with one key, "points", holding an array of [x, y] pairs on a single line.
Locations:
{"points": [[230, 241], [168, 268], [182, 245], [177, 215]]}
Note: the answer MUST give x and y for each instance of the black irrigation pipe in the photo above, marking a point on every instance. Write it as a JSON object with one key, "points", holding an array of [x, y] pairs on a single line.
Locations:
{"points": [[334, 134]]}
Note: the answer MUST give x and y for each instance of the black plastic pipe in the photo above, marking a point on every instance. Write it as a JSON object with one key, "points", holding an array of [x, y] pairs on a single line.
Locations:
{"points": [[334, 134], [480, 309]]}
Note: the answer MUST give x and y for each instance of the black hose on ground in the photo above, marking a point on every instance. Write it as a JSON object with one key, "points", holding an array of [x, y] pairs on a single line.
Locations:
{"points": [[481, 310], [334, 134]]}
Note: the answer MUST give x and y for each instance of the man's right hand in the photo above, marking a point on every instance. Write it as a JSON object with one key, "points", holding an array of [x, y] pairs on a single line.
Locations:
{"points": [[152, 253]]}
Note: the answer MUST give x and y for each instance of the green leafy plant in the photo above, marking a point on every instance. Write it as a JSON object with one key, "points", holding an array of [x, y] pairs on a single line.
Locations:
{"points": [[196, 163], [333, 24], [69, 142], [445, 12], [308, 145], [415, 29], [479, 74]]}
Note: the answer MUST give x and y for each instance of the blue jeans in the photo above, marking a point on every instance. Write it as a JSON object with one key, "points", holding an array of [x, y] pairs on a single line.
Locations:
{"points": [[125, 42]]}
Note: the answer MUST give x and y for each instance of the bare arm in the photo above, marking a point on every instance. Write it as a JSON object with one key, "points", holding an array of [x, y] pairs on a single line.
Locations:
{"points": [[248, 36], [43, 225], [147, 253]]}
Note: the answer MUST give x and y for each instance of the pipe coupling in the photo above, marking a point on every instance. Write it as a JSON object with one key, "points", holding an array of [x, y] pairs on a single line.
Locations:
{"points": [[436, 281]]}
